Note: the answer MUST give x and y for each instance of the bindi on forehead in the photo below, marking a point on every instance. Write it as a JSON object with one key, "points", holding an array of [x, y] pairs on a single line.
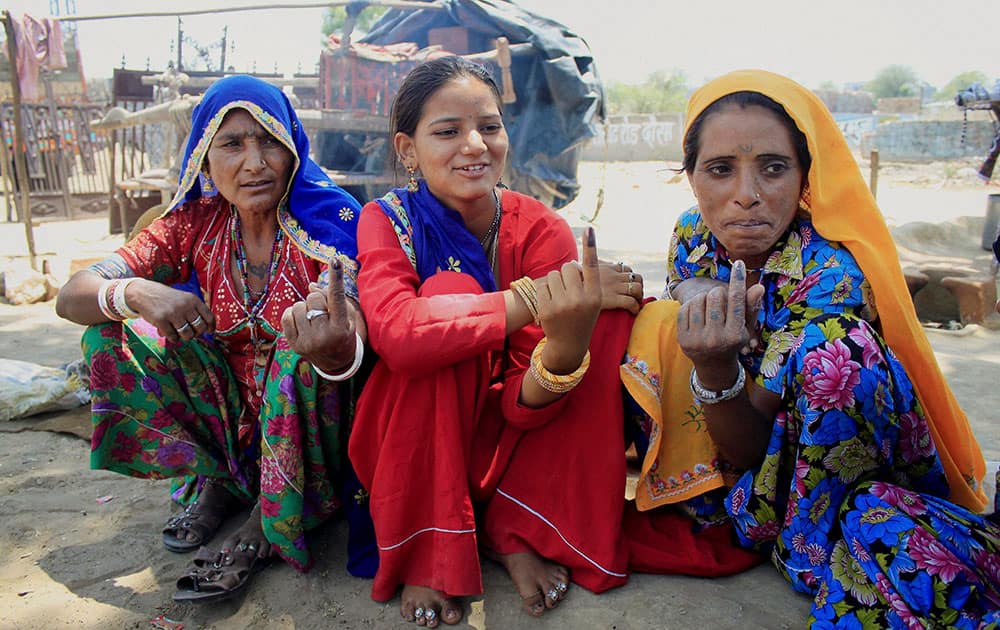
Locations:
{"points": [[745, 148]]}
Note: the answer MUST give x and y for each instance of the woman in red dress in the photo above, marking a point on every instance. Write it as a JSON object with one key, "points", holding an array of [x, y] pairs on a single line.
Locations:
{"points": [[493, 417]]}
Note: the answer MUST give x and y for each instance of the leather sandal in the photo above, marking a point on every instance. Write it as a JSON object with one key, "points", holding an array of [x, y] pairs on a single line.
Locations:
{"points": [[217, 576], [203, 525]]}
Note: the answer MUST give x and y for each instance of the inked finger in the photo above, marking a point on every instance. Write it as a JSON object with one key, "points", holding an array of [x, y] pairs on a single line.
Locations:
{"points": [[736, 308], [336, 300], [591, 270]]}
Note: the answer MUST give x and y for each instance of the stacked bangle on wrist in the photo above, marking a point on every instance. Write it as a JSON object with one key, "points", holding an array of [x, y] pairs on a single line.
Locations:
{"points": [[525, 287], [712, 397], [555, 383], [359, 355], [111, 300]]}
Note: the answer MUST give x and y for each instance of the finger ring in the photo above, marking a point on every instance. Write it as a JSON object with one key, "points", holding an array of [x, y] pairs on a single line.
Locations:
{"points": [[430, 615], [241, 547], [197, 321], [561, 587], [419, 612], [621, 266], [313, 313], [631, 276], [553, 594], [184, 327]]}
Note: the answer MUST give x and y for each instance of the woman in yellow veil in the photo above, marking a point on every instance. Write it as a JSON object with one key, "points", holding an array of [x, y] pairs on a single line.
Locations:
{"points": [[790, 374]]}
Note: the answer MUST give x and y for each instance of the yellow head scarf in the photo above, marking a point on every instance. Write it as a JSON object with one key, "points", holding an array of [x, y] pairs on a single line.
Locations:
{"points": [[844, 210]]}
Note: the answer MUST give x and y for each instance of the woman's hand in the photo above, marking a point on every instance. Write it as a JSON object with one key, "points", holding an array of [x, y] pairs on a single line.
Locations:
{"points": [[699, 288], [712, 327], [620, 287], [178, 315], [568, 306], [321, 329]]}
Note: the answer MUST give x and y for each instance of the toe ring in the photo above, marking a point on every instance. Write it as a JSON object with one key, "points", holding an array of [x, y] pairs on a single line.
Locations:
{"points": [[430, 615], [419, 612], [561, 587], [553, 594]]}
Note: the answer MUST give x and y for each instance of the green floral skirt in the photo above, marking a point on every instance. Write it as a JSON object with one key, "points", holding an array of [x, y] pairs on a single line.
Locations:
{"points": [[164, 410]]}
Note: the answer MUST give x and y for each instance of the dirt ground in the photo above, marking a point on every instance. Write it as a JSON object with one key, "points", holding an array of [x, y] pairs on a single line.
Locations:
{"points": [[69, 560]]}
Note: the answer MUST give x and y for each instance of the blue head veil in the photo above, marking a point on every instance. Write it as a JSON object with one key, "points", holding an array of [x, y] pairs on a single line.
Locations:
{"points": [[320, 217]]}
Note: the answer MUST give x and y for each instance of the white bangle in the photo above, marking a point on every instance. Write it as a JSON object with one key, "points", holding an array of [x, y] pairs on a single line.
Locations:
{"points": [[120, 304], [711, 397], [359, 355], [102, 301]]}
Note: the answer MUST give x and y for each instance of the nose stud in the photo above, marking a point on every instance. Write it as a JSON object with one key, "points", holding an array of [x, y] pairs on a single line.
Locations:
{"points": [[756, 195]]}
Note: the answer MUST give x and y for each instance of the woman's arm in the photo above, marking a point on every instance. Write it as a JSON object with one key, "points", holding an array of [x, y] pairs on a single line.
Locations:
{"points": [[415, 333], [160, 251], [711, 330]]}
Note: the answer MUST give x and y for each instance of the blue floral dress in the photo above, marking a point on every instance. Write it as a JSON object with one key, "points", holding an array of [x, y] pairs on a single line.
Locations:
{"points": [[850, 498]]}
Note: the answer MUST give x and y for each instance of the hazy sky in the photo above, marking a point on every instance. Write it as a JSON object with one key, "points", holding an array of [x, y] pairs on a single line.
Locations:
{"points": [[842, 41]]}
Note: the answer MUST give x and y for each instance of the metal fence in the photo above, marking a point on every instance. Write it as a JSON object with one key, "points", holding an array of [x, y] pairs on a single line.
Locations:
{"points": [[69, 166]]}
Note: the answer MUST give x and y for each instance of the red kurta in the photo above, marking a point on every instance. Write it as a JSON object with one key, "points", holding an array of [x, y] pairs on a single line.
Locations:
{"points": [[439, 425]]}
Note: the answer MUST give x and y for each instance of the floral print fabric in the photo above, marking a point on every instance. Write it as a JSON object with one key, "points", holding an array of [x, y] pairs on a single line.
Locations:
{"points": [[850, 497], [164, 410]]}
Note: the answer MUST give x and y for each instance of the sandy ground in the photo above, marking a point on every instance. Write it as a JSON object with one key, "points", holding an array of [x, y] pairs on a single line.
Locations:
{"points": [[70, 561]]}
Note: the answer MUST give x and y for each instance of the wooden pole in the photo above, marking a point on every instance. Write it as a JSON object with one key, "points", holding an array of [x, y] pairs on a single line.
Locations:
{"points": [[19, 145], [8, 188], [873, 179]]}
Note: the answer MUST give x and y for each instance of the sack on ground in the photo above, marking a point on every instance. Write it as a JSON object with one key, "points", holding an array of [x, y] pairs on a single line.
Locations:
{"points": [[27, 388]]}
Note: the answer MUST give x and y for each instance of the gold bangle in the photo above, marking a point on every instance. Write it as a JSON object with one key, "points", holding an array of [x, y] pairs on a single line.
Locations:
{"points": [[525, 287], [555, 383]]}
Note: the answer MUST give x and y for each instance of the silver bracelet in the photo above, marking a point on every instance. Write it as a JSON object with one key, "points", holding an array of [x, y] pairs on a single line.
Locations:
{"points": [[712, 397], [359, 355]]}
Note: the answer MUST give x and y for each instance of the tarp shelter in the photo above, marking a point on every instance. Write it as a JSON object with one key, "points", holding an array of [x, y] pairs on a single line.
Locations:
{"points": [[560, 98]]}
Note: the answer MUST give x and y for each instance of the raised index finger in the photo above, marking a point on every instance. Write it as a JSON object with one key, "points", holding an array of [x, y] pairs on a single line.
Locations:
{"points": [[591, 268], [336, 302], [737, 299]]}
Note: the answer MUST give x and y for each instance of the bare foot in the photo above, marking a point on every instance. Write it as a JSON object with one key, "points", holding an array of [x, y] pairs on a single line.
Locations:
{"points": [[418, 601], [540, 583]]}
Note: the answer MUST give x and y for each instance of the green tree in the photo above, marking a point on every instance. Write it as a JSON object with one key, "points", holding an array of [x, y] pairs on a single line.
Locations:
{"points": [[829, 86], [662, 91], [895, 80], [959, 83], [334, 18]]}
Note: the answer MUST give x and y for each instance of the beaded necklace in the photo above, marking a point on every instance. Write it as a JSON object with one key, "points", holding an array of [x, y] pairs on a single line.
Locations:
{"points": [[488, 242], [251, 305]]}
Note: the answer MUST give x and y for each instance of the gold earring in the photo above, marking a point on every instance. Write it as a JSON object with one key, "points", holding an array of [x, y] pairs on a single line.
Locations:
{"points": [[412, 185]]}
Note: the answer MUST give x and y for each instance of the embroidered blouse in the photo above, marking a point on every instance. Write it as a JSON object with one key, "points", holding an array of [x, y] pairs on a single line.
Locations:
{"points": [[193, 240]]}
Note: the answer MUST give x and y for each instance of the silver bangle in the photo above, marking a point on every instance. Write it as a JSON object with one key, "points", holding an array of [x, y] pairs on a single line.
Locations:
{"points": [[359, 355], [712, 397]]}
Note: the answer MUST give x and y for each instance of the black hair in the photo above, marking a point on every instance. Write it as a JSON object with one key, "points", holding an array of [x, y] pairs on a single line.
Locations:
{"points": [[745, 99], [426, 79]]}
